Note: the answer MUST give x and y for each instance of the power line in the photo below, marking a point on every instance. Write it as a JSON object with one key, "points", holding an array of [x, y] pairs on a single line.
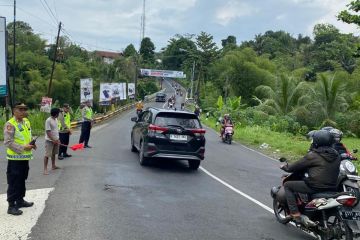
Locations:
{"points": [[47, 11], [51, 11], [39, 18]]}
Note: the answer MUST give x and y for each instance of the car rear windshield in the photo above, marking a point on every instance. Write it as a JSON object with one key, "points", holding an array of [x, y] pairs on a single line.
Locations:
{"points": [[177, 119]]}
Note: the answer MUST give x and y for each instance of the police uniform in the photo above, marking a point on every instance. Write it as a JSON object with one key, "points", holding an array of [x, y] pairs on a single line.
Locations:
{"points": [[64, 125], [87, 117], [16, 136]]}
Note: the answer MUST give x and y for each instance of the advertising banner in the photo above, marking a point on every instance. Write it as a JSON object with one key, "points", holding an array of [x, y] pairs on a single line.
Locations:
{"points": [[123, 91], [105, 92], [86, 90], [46, 103], [3, 61], [131, 90], [162, 73]]}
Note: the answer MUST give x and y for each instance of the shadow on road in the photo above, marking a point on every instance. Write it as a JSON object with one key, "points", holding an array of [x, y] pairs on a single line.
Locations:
{"points": [[169, 165]]}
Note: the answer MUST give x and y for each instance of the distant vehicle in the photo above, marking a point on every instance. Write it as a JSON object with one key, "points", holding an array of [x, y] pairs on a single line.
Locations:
{"points": [[168, 134], [160, 97]]}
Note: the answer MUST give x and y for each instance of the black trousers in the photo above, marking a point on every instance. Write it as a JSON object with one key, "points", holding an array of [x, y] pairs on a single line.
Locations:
{"points": [[17, 173], [64, 139], [293, 187], [85, 132]]}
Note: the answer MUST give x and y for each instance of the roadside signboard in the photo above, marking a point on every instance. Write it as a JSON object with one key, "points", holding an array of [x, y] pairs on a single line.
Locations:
{"points": [[46, 103], [3, 61], [131, 90], [162, 73], [86, 90]]}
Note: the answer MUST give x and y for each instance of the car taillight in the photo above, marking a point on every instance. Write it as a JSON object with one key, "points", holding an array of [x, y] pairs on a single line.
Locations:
{"points": [[347, 201], [157, 129], [198, 132]]}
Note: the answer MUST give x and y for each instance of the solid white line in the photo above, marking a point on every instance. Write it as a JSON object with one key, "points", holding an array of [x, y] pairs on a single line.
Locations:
{"points": [[237, 191]]}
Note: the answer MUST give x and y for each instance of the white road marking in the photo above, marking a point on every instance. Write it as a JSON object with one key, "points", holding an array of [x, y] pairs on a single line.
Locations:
{"points": [[237, 191], [19, 227]]}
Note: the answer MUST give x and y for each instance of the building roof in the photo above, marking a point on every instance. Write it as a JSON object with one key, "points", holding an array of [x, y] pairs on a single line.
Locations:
{"points": [[105, 54]]}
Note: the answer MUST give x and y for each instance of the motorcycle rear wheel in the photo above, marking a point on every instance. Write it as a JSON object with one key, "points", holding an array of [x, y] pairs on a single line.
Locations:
{"points": [[332, 222], [280, 212]]}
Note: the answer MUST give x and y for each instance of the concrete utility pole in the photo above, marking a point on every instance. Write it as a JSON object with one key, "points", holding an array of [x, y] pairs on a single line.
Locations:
{"points": [[14, 54], [192, 81], [55, 56]]}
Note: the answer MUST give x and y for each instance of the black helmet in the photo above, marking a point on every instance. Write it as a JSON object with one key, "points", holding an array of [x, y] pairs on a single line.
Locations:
{"points": [[322, 138], [328, 128], [337, 134]]}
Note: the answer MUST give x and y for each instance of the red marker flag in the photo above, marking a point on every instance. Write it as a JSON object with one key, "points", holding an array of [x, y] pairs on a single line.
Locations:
{"points": [[78, 146]]}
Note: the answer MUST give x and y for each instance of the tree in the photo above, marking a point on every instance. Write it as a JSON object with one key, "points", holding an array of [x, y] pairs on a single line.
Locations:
{"points": [[327, 98], [286, 96], [129, 51], [177, 54], [147, 51], [347, 16]]}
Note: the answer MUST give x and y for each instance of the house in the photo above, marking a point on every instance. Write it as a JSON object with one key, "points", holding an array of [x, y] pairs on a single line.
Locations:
{"points": [[108, 57]]}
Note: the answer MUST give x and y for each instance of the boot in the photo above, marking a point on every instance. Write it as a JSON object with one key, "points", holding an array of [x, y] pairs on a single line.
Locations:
{"points": [[22, 203], [13, 210]]}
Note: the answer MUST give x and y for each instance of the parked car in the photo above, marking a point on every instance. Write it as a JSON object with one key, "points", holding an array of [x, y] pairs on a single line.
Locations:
{"points": [[160, 97], [176, 135]]}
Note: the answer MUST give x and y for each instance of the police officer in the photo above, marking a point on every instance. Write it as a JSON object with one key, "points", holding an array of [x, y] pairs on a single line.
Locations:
{"points": [[64, 123], [18, 140], [87, 118]]}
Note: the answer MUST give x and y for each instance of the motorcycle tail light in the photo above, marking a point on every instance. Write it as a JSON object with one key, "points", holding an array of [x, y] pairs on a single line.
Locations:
{"points": [[198, 132], [347, 201], [156, 129]]}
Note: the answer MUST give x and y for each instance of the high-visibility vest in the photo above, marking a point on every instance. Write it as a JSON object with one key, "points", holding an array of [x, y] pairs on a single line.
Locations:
{"points": [[67, 121], [22, 136], [89, 113]]}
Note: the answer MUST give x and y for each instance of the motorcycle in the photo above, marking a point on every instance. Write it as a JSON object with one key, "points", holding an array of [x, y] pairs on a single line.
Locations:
{"points": [[348, 177], [228, 133], [328, 215]]}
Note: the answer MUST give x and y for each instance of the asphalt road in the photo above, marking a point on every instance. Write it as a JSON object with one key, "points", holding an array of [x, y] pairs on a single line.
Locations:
{"points": [[103, 193]]}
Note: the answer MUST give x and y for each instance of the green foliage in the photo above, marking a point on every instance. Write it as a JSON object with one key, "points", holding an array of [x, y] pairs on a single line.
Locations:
{"points": [[129, 51], [147, 51]]}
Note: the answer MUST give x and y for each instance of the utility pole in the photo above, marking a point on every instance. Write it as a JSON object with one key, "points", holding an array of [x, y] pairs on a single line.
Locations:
{"points": [[14, 54], [54, 60], [192, 81]]}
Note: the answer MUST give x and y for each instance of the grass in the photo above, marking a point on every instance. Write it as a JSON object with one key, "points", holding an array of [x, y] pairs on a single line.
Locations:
{"points": [[293, 147]]}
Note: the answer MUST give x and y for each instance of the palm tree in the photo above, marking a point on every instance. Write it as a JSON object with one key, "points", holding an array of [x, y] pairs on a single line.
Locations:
{"points": [[327, 98], [284, 97]]}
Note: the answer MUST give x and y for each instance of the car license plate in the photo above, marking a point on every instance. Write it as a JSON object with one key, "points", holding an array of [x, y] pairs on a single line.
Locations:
{"points": [[350, 215], [178, 137]]}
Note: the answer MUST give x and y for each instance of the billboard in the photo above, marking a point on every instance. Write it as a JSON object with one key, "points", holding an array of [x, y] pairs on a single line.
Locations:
{"points": [[86, 90], [3, 61], [109, 91], [161, 73], [46, 103], [131, 90]]}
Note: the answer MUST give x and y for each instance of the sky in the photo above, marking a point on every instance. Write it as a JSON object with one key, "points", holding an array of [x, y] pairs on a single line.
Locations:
{"points": [[111, 25]]}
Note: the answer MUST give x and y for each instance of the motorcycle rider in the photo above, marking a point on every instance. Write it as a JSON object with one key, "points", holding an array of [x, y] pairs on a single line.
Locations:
{"points": [[139, 107], [321, 164], [225, 121], [338, 145]]}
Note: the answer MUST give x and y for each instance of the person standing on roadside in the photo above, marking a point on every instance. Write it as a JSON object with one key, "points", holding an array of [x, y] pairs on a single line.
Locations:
{"points": [[18, 140], [52, 141], [64, 123], [87, 118]]}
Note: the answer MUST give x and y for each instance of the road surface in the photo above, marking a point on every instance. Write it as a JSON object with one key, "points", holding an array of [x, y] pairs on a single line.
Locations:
{"points": [[103, 193]]}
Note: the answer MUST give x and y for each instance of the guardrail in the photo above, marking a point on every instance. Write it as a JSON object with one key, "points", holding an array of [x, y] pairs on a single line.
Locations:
{"points": [[147, 98]]}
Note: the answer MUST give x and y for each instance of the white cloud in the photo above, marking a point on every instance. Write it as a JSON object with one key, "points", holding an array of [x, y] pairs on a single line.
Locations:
{"points": [[331, 9], [233, 9]]}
